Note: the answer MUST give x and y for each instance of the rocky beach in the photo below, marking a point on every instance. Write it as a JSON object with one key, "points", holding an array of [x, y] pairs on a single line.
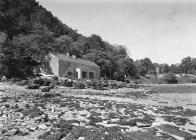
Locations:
{"points": [[86, 114]]}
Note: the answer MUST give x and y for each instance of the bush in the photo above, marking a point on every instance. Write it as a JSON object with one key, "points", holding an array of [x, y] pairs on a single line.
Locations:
{"points": [[55, 78], [120, 84], [79, 85], [171, 78], [193, 80], [95, 84], [3, 79], [40, 81], [112, 84], [66, 83]]}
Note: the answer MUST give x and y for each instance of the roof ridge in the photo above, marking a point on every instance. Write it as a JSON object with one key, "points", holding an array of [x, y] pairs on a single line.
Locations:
{"points": [[76, 60]]}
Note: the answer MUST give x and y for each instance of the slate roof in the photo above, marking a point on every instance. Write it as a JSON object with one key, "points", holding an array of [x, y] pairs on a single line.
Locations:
{"points": [[76, 60]]}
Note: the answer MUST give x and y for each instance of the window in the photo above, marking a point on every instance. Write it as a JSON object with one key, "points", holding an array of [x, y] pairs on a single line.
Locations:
{"points": [[91, 75], [84, 74]]}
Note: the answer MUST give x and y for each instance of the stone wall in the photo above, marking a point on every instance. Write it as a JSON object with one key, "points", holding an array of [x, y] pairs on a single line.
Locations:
{"points": [[50, 65], [65, 67], [54, 64]]}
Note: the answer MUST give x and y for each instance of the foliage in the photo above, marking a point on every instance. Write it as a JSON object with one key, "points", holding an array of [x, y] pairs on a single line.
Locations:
{"points": [[170, 78], [28, 32], [145, 66], [32, 31]]}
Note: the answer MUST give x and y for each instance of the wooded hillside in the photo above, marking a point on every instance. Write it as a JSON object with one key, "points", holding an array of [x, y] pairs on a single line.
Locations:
{"points": [[28, 32]]}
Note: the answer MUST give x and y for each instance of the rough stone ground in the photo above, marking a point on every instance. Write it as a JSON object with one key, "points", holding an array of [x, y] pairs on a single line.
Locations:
{"points": [[70, 114]]}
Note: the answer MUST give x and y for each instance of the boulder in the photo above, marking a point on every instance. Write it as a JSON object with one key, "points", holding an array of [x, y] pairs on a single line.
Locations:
{"points": [[140, 124], [3, 79], [12, 132], [55, 78], [45, 88], [66, 82], [23, 132], [23, 82], [69, 136], [79, 85], [32, 86], [38, 81], [42, 127]]}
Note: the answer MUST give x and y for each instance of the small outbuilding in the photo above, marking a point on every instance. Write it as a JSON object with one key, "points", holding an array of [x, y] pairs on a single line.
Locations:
{"points": [[70, 66]]}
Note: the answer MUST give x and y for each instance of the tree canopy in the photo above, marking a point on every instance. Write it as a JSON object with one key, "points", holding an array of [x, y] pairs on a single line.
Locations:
{"points": [[31, 32]]}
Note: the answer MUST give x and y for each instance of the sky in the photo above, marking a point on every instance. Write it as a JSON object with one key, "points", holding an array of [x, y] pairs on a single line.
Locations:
{"points": [[162, 30]]}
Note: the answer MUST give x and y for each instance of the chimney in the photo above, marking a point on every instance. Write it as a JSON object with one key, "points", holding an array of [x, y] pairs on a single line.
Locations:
{"points": [[67, 54]]}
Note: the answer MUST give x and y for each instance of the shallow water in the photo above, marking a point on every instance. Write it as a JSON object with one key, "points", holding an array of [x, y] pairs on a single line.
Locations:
{"points": [[187, 100]]}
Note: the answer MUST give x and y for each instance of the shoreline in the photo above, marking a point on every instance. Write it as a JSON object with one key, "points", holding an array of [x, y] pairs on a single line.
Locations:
{"points": [[117, 114]]}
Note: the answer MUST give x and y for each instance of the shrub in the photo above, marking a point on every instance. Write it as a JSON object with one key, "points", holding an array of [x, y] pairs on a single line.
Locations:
{"points": [[171, 78], [193, 80], [120, 84], [112, 84], [66, 82], [55, 78], [3, 79], [79, 85]]}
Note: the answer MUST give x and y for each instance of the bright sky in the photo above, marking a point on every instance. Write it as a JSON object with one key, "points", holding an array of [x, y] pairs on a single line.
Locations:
{"points": [[163, 30]]}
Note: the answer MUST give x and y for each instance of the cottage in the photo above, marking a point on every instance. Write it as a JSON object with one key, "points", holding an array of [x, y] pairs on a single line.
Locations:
{"points": [[70, 66]]}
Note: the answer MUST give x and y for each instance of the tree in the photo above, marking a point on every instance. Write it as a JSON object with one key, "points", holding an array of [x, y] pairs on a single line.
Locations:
{"points": [[63, 44], [163, 68], [102, 59], [144, 66], [185, 65], [174, 69], [125, 69], [25, 51], [170, 78], [32, 32], [96, 42]]}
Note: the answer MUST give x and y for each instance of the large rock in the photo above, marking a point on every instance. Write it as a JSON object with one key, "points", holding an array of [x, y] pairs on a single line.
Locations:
{"points": [[66, 82], [23, 82], [3, 79], [69, 136], [42, 127], [140, 124], [45, 88], [23, 132], [12, 132], [32, 86]]}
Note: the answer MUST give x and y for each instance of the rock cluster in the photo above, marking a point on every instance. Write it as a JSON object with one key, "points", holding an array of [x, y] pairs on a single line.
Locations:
{"points": [[58, 116]]}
